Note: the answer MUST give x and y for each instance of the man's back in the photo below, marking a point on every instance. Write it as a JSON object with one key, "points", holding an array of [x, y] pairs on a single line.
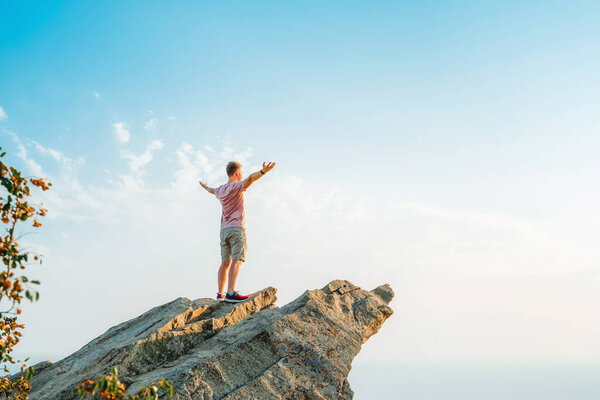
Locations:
{"points": [[231, 196]]}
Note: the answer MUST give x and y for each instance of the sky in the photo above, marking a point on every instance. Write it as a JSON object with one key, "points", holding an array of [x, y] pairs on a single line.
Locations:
{"points": [[449, 149]]}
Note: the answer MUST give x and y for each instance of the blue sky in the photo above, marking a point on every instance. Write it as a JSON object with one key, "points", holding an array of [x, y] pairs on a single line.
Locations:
{"points": [[447, 148], [430, 89]]}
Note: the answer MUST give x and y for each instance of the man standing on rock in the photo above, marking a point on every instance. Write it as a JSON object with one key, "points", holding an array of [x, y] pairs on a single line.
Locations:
{"points": [[233, 227]]}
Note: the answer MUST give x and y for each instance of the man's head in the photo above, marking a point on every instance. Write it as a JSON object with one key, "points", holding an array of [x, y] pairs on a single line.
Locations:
{"points": [[234, 171]]}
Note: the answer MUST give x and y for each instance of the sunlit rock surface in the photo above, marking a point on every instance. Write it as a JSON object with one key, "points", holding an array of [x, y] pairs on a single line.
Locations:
{"points": [[215, 350]]}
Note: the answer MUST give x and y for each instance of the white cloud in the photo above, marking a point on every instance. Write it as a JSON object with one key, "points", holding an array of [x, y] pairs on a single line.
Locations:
{"points": [[96, 95], [68, 163], [122, 131], [3, 114], [156, 145], [477, 277], [32, 166], [208, 166], [151, 123], [137, 162]]}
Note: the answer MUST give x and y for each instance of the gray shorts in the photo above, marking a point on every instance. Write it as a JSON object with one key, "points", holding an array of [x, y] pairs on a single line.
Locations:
{"points": [[233, 244]]}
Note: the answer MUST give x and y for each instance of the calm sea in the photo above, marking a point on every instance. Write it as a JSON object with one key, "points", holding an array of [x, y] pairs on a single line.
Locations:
{"points": [[475, 382]]}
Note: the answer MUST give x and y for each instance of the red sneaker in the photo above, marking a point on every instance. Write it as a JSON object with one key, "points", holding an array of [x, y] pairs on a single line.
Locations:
{"points": [[220, 296], [235, 298]]}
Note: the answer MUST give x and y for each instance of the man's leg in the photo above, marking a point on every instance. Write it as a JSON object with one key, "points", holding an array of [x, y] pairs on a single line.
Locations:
{"points": [[233, 274], [223, 274], [225, 259], [238, 251]]}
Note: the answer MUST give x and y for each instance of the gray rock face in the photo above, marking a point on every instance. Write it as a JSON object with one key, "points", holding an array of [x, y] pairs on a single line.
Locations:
{"points": [[250, 350]]}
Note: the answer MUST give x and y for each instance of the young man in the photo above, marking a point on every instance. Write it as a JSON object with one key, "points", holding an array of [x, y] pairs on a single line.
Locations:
{"points": [[233, 226]]}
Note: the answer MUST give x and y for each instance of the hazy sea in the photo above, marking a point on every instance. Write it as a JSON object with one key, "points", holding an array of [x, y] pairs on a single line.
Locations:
{"points": [[475, 381]]}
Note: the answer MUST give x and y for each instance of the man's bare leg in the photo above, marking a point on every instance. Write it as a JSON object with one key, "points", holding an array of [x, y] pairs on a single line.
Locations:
{"points": [[223, 274], [233, 274]]}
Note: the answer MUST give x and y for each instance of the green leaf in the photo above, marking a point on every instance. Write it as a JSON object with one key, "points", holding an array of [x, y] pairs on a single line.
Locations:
{"points": [[29, 374]]}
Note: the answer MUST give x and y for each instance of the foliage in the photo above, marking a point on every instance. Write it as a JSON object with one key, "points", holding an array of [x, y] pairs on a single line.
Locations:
{"points": [[109, 387], [17, 388], [15, 208]]}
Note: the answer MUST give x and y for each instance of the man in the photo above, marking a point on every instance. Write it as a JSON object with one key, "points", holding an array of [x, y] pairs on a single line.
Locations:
{"points": [[233, 227]]}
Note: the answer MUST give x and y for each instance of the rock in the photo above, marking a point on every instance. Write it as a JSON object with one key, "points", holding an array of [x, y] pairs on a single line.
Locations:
{"points": [[251, 350]]}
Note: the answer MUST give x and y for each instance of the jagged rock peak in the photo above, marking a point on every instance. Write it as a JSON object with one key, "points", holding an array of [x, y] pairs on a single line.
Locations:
{"points": [[215, 350]]}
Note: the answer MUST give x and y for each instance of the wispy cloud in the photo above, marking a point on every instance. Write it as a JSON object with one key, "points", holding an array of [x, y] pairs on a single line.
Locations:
{"points": [[33, 167], [151, 123], [136, 162], [425, 234], [3, 114], [207, 164], [69, 164], [96, 95], [122, 131], [451, 263]]}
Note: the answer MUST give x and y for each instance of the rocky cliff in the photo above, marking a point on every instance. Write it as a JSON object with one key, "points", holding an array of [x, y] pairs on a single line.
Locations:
{"points": [[251, 350]]}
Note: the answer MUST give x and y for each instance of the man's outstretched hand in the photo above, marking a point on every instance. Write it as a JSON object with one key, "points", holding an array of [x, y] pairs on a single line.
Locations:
{"points": [[267, 167], [258, 174], [205, 186]]}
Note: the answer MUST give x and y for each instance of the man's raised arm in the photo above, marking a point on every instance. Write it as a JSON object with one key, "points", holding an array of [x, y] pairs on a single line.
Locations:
{"points": [[205, 186], [257, 175]]}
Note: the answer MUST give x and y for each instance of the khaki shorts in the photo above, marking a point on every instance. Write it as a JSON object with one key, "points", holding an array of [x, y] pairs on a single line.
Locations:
{"points": [[233, 240]]}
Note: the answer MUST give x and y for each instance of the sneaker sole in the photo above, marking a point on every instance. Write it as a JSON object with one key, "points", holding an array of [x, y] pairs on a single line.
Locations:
{"points": [[234, 301]]}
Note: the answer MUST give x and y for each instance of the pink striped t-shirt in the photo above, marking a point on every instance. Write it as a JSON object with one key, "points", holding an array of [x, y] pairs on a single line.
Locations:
{"points": [[231, 196]]}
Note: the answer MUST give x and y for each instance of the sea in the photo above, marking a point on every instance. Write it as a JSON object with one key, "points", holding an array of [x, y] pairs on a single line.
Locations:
{"points": [[477, 381]]}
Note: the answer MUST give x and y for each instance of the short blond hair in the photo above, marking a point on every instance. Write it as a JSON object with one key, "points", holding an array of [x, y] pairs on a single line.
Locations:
{"points": [[232, 167]]}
